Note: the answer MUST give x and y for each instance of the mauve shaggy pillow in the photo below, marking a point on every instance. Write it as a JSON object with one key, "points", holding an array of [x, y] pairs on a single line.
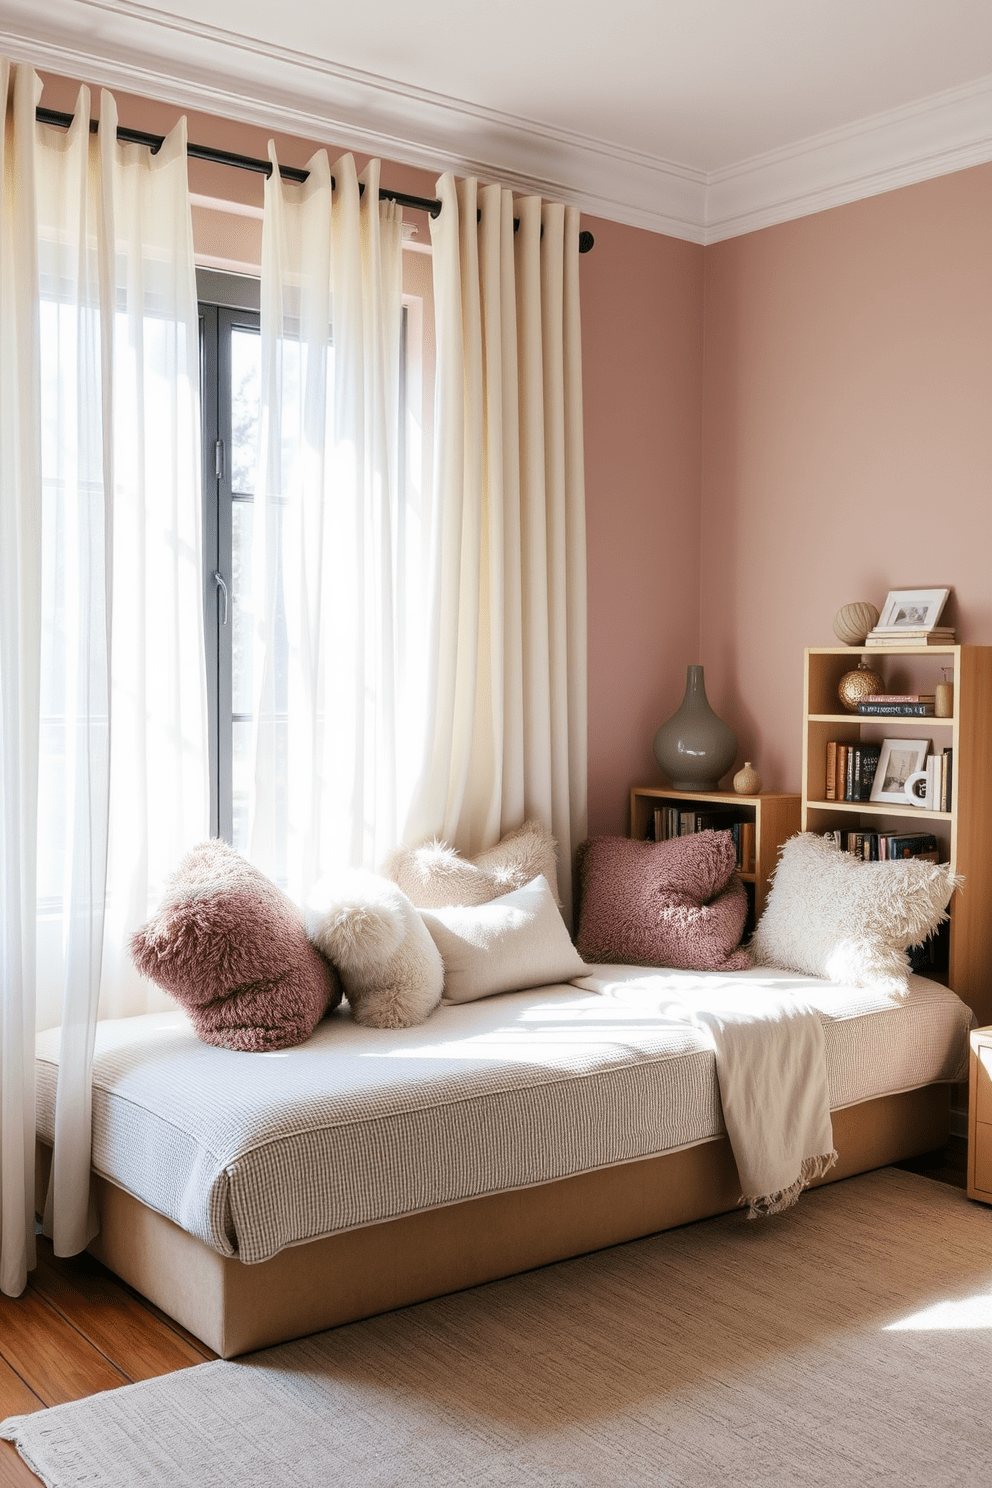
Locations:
{"points": [[436, 876], [677, 903], [232, 949]]}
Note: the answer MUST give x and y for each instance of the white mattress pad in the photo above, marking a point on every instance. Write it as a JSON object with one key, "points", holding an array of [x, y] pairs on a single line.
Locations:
{"points": [[254, 1152]]}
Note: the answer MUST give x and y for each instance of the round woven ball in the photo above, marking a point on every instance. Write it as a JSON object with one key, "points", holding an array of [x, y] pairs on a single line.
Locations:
{"points": [[852, 622]]}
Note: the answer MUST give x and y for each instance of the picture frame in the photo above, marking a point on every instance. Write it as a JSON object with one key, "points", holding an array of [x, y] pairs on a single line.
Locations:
{"points": [[912, 609], [899, 759]]}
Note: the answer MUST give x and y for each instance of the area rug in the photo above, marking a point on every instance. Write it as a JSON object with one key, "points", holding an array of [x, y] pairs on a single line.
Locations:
{"points": [[846, 1342]]}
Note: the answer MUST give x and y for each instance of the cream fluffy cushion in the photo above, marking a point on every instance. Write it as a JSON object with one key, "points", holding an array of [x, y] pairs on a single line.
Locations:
{"points": [[389, 966], [831, 915], [435, 876], [514, 942]]}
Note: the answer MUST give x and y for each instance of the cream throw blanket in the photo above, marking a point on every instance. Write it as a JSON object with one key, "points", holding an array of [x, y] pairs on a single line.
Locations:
{"points": [[771, 1068]]}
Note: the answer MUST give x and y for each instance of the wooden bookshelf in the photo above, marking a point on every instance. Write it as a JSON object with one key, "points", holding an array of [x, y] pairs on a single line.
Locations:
{"points": [[964, 833], [774, 813]]}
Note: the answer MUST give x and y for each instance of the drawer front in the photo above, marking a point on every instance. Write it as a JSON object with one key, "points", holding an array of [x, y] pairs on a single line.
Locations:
{"points": [[982, 1158], [983, 1080]]}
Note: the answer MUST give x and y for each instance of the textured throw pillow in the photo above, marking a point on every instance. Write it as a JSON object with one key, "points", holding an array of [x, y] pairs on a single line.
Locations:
{"points": [[514, 942], [832, 915], [232, 949], [677, 903], [389, 965], [435, 876]]}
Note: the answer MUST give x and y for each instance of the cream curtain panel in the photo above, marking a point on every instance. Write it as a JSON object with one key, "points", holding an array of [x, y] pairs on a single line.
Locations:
{"points": [[337, 570], [507, 689], [103, 750]]}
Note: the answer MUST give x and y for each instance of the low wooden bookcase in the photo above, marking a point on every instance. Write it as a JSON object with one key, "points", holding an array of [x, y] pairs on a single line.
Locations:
{"points": [[775, 815]]}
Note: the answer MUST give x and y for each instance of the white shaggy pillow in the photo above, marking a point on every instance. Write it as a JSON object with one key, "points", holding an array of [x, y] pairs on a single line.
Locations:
{"points": [[516, 941], [389, 966], [832, 915], [436, 876]]}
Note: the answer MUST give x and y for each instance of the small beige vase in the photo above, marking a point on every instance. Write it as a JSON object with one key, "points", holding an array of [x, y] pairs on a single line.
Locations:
{"points": [[747, 781]]}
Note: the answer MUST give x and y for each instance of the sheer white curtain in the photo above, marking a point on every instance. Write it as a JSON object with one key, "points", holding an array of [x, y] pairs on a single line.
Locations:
{"points": [[507, 725], [103, 725], [336, 545]]}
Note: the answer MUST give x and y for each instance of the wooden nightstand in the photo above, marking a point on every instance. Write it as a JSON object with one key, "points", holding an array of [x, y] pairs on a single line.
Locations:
{"points": [[980, 1116]]}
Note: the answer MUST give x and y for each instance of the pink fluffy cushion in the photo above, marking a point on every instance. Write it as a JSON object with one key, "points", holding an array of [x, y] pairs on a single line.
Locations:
{"points": [[677, 903], [233, 950]]}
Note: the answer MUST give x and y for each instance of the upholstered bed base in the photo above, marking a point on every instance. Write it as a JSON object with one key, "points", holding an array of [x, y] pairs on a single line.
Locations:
{"points": [[236, 1308]]}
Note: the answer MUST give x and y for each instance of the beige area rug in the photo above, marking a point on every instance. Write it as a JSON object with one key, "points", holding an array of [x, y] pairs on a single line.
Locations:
{"points": [[846, 1342]]}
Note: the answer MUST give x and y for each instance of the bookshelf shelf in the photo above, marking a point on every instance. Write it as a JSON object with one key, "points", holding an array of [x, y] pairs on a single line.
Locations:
{"points": [[875, 720], [964, 833], [872, 808], [775, 815]]}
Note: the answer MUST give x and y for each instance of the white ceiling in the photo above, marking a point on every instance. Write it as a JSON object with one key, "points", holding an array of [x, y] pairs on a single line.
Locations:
{"points": [[702, 118]]}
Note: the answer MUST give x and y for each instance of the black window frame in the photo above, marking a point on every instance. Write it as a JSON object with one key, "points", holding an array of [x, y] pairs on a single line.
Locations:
{"points": [[226, 302]]}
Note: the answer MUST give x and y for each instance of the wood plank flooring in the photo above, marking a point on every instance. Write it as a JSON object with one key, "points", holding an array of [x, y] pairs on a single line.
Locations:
{"points": [[78, 1329], [75, 1330]]}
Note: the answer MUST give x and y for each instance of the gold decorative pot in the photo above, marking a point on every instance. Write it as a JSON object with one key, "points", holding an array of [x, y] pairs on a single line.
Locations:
{"points": [[855, 686]]}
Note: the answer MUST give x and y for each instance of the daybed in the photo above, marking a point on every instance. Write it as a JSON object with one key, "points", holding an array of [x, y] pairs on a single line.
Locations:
{"points": [[258, 1197]]}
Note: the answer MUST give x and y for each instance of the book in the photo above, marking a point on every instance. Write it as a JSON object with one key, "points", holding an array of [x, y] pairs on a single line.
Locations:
{"points": [[841, 770], [896, 710], [899, 697], [947, 796], [868, 757], [912, 845], [894, 643], [747, 847], [830, 774], [912, 630], [934, 767], [852, 754]]}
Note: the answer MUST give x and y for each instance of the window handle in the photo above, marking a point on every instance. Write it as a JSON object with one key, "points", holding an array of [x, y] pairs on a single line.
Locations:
{"points": [[218, 579]]}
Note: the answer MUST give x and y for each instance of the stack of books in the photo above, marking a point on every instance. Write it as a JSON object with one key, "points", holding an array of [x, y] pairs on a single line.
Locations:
{"points": [[850, 771], [897, 705], [883, 847], [896, 636], [676, 821]]}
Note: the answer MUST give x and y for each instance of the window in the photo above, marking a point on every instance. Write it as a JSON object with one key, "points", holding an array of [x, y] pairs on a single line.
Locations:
{"points": [[230, 351], [230, 348]]}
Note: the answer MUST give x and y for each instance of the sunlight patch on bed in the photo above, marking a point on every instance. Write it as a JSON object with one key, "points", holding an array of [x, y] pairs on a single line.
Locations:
{"points": [[543, 1044]]}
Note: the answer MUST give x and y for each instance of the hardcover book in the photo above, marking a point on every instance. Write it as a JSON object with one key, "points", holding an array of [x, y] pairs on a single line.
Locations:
{"points": [[895, 710], [830, 787]]}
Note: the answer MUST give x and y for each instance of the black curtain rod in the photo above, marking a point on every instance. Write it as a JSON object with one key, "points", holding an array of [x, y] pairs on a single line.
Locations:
{"points": [[154, 143]]}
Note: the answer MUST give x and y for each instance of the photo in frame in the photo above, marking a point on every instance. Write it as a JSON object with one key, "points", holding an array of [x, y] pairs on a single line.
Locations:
{"points": [[899, 759], [912, 609]]}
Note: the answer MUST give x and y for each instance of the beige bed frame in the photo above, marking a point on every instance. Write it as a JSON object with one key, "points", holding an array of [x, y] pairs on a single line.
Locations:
{"points": [[236, 1308]]}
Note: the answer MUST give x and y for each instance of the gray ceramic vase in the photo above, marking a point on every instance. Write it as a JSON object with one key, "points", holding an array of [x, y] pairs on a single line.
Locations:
{"points": [[694, 748]]}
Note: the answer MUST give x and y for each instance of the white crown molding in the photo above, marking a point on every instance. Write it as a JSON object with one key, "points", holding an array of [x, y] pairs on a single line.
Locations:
{"points": [[946, 132], [117, 44]]}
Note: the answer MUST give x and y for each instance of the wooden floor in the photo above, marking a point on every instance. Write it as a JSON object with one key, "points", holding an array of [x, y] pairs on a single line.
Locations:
{"points": [[75, 1330], [78, 1329]]}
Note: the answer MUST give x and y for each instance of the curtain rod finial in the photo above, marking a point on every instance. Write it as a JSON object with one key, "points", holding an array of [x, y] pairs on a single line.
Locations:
{"points": [[586, 241]]}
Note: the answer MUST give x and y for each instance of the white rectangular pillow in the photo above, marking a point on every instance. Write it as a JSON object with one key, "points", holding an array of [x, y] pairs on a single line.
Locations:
{"points": [[508, 945]]}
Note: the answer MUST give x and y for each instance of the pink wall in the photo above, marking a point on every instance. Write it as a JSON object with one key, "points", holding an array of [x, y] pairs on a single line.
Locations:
{"points": [[641, 376], [847, 436]]}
